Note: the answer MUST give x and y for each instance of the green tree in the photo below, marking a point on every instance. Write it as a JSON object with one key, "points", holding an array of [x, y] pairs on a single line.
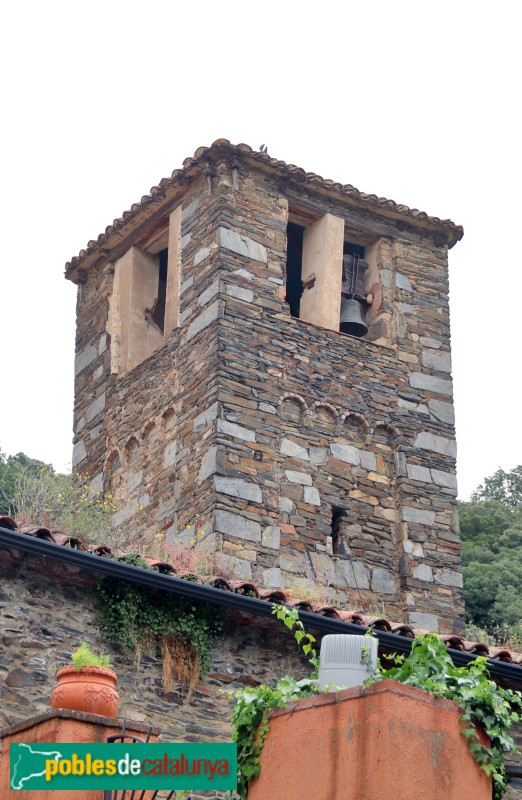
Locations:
{"points": [[491, 531], [506, 487], [11, 470]]}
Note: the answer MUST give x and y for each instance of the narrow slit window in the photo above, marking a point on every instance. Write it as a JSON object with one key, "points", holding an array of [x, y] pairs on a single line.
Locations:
{"points": [[338, 543], [159, 308], [294, 264]]}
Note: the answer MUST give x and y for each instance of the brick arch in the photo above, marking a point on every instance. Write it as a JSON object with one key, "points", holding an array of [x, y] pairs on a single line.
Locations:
{"points": [[131, 451], [383, 427], [150, 433], [168, 420], [112, 470], [384, 442], [294, 409], [354, 426], [324, 415]]}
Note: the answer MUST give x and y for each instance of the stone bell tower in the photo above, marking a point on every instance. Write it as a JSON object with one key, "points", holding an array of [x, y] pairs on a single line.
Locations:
{"points": [[264, 355]]}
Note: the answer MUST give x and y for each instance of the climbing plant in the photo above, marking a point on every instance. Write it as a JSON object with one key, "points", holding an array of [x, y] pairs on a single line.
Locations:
{"points": [[253, 707], [428, 666], [177, 629]]}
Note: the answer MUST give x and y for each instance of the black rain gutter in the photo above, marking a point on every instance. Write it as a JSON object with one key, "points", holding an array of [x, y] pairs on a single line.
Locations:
{"points": [[154, 580]]}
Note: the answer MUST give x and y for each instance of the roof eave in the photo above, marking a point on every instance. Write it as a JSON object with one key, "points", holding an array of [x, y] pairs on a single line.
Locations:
{"points": [[170, 190]]}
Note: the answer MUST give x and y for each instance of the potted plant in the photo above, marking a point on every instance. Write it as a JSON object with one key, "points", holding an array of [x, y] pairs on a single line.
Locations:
{"points": [[88, 684]]}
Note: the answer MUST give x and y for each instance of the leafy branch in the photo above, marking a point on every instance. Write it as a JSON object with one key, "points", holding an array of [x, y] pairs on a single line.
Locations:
{"points": [[428, 667], [253, 708]]}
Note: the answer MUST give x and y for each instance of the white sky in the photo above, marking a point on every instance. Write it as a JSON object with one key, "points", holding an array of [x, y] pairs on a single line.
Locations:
{"points": [[418, 102]]}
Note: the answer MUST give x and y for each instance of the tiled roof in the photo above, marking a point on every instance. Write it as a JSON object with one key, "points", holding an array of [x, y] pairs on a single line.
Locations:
{"points": [[202, 158], [272, 595]]}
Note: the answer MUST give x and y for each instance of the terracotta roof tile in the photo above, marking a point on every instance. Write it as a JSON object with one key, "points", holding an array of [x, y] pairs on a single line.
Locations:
{"points": [[278, 596], [8, 523], [161, 566], [35, 530], [99, 247]]}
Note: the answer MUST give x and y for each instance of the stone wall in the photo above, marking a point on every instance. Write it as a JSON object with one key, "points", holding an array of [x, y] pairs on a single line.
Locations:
{"points": [[47, 609], [306, 457]]}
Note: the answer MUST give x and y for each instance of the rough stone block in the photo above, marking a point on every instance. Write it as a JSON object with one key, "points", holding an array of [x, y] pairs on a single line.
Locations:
{"points": [[203, 419], [208, 464], [368, 460], [437, 444], [96, 407], [286, 505], [418, 380], [311, 496], [240, 293], [244, 273], [294, 563], [437, 359], [189, 210], [96, 485], [84, 358], [290, 448], [207, 295], [236, 431], [383, 581], [447, 479], [351, 573], [236, 525], [418, 515], [236, 487], [201, 255], [272, 578], [403, 282], [428, 341], [318, 455], [271, 537], [298, 477], [268, 408], [209, 315], [79, 453], [169, 454], [386, 278], [448, 577], [427, 622], [413, 548], [133, 480], [323, 567], [418, 473], [242, 245], [240, 568], [186, 285], [443, 412], [423, 572], [346, 453]]}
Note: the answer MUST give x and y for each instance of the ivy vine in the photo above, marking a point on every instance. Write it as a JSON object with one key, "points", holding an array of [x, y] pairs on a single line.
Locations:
{"points": [[428, 666], [177, 629], [253, 707]]}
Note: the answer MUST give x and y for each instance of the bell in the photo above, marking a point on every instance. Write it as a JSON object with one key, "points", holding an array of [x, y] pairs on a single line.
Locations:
{"points": [[351, 318]]}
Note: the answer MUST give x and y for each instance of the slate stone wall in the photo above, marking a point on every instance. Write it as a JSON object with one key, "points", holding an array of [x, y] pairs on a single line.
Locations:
{"points": [[251, 432], [47, 609]]}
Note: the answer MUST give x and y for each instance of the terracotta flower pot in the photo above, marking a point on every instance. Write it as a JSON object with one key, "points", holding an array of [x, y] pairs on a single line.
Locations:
{"points": [[89, 689]]}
